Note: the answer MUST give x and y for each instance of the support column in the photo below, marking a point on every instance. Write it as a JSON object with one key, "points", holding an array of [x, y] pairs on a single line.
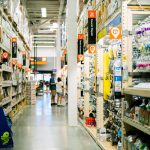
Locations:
{"points": [[58, 60], [72, 61]]}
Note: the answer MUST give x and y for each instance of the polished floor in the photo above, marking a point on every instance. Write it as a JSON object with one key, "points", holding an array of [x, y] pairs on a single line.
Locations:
{"points": [[42, 127]]}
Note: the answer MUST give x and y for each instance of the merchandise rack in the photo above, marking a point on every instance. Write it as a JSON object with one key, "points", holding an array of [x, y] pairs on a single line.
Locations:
{"points": [[128, 75], [15, 76], [131, 16]]}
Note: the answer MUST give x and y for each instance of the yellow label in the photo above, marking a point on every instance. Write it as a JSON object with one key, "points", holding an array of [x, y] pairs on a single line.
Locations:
{"points": [[124, 58], [102, 33]]}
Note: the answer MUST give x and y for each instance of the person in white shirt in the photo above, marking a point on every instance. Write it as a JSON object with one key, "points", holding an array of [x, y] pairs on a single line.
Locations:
{"points": [[59, 88]]}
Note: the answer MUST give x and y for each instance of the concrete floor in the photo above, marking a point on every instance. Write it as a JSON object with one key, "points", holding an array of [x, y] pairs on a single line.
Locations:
{"points": [[43, 127]]}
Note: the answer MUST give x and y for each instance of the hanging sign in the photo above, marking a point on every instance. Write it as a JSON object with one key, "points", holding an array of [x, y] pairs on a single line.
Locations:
{"points": [[92, 27], [115, 33], [5, 55], [80, 44], [19, 66], [14, 62], [24, 58], [80, 47], [1, 34], [80, 57], [92, 49], [14, 47]]}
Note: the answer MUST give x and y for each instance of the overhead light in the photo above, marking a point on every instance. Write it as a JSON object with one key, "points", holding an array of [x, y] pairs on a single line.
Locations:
{"points": [[52, 29], [55, 25], [41, 42], [46, 36], [43, 46], [44, 12]]}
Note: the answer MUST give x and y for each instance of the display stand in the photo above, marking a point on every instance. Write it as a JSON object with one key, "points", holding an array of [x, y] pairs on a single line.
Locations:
{"points": [[14, 67], [136, 80], [6, 140]]}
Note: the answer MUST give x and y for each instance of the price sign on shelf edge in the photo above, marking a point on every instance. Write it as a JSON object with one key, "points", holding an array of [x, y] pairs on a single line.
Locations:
{"points": [[115, 33]]}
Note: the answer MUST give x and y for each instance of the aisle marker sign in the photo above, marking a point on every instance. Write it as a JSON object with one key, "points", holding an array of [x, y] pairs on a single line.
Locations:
{"points": [[80, 57], [80, 43], [14, 47], [24, 58], [91, 26], [5, 55], [80, 47], [92, 49], [115, 33]]}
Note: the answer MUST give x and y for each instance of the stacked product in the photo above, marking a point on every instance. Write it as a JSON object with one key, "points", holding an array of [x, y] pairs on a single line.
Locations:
{"points": [[31, 93]]}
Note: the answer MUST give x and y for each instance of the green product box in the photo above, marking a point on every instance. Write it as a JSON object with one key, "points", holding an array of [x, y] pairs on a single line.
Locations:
{"points": [[146, 116], [149, 118], [125, 143], [141, 116]]}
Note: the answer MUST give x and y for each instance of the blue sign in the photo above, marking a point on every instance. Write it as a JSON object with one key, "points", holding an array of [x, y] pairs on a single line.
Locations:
{"points": [[6, 140], [114, 23], [118, 78]]}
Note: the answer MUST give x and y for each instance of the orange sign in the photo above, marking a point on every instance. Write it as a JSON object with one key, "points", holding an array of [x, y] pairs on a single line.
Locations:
{"points": [[80, 36], [5, 55], [14, 40], [80, 57], [23, 52], [92, 49], [92, 14], [14, 62], [19, 66], [115, 33]]}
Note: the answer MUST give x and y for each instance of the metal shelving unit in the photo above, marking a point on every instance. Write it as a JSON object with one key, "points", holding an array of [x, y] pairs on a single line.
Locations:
{"points": [[137, 91], [136, 124], [12, 102]]}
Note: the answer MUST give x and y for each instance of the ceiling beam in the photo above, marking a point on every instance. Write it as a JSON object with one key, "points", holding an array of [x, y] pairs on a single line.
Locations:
{"points": [[43, 2]]}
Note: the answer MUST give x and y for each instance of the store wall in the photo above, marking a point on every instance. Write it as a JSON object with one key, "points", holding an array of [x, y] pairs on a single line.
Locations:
{"points": [[51, 64], [48, 52], [45, 52]]}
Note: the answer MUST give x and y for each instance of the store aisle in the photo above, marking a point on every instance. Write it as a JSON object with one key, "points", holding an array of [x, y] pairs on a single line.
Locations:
{"points": [[43, 127]]}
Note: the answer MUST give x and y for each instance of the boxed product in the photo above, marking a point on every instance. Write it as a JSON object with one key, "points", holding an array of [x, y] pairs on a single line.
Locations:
{"points": [[141, 116]]}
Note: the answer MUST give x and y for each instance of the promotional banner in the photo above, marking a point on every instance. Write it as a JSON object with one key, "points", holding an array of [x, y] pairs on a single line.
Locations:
{"points": [[5, 55], [92, 27], [24, 59], [14, 47], [115, 33], [80, 44], [80, 47], [92, 49]]}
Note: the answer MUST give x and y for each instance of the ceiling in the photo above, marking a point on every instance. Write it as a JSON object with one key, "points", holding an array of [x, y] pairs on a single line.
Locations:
{"points": [[44, 28]]}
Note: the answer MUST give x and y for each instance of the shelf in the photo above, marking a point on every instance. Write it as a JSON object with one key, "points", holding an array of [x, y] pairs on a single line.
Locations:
{"points": [[106, 145], [139, 74], [18, 101], [91, 130], [137, 91], [5, 48], [8, 110], [7, 83], [14, 83], [136, 124], [14, 94], [115, 14], [5, 101], [5, 68]]}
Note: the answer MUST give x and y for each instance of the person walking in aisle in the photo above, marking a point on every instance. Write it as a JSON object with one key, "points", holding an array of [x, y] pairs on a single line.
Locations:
{"points": [[53, 89], [59, 91]]}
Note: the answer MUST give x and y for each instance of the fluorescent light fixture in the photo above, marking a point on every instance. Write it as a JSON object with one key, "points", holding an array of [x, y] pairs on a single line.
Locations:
{"points": [[44, 12], [55, 25], [48, 36], [42, 46], [52, 29], [40, 42]]}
